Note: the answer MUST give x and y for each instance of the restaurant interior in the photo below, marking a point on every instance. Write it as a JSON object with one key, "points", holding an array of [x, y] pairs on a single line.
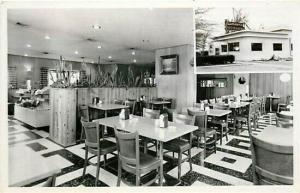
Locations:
{"points": [[106, 98]]}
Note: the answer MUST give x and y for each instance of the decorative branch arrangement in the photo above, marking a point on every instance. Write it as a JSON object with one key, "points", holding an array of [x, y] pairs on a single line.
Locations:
{"points": [[115, 78]]}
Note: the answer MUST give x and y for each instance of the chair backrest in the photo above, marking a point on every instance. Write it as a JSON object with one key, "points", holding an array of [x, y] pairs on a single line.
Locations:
{"points": [[84, 111], [118, 102], [150, 113], [169, 112], [220, 106], [205, 101], [212, 101], [218, 100], [284, 121], [272, 164], [131, 105], [183, 119], [128, 147], [201, 119], [92, 135]]}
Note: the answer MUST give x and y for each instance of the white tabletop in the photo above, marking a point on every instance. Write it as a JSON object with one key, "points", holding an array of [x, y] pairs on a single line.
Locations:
{"points": [[27, 166], [107, 106], [148, 127], [276, 135], [247, 99], [212, 112], [273, 97], [288, 113], [233, 105], [159, 102]]}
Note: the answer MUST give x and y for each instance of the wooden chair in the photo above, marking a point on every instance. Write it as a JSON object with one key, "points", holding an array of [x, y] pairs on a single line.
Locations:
{"points": [[271, 164], [132, 160], [284, 121], [84, 115], [131, 105], [283, 106], [200, 120], [96, 145], [246, 116], [221, 123], [118, 102], [181, 146], [151, 114]]}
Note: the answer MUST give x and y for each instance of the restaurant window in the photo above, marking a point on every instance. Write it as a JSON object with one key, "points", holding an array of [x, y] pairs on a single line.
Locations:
{"points": [[256, 46], [234, 47], [277, 47], [224, 48]]}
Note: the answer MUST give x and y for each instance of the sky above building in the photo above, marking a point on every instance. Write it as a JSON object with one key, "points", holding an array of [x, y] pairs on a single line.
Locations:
{"points": [[262, 16]]}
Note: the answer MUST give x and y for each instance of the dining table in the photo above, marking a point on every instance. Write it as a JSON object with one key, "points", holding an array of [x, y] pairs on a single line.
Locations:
{"points": [[287, 113], [211, 112], [26, 166], [149, 128]]}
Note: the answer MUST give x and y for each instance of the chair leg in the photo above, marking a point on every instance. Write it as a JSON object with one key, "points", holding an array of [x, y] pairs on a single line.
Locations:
{"points": [[119, 172], [179, 164], [221, 135], [204, 151], [137, 179], [216, 143], [226, 133], [105, 160], [98, 169], [198, 142], [82, 134], [190, 159], [145, 147], [85, 161]]}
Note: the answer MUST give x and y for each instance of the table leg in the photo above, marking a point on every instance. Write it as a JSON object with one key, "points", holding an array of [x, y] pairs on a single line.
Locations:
{"points": [[161, 169], [271, 102], [105, 127]]}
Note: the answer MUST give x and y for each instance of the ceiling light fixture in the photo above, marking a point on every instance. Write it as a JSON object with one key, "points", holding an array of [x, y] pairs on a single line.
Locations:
{"points": [[134, 60], [47, 37], [109, 57], [133, 53], [76, 52], [99, 47], [96, 26], [285, 77], [28, 45], [25, 54]]}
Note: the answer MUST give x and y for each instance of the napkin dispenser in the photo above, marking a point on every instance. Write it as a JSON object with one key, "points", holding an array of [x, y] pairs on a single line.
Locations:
{"points": [[124, 114], [95, 100], [202, 106], [163, 120]]}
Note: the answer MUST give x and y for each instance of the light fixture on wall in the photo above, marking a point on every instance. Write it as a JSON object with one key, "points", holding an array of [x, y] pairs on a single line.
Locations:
{"points": [[27, 67], [285, 77]]}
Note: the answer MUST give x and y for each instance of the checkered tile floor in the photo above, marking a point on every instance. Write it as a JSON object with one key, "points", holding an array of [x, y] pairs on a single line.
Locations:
{"points": [[231, 165]]}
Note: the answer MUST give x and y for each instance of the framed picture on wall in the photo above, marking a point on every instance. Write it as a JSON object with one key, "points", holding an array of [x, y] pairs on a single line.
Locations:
{"points": [[169, 64]]}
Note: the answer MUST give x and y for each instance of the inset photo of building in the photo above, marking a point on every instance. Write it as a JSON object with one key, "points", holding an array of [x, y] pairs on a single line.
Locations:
{"points": [[243, 39]]}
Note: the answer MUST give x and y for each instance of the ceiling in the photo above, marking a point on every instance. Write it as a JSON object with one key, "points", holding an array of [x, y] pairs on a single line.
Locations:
{"points": [[143, 29]]}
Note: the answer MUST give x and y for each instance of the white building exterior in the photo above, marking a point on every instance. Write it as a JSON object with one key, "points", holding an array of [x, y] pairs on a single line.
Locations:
{"points": [[254, 45]]}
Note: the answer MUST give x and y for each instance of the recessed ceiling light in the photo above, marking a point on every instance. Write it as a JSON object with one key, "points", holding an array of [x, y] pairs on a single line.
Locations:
{"points": [[96, 26], [109, 57], [76, 52], [133, 52], [99, 47], [28, 45], [25, 54], [47, 37], [92, 62], [134, 60]]}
